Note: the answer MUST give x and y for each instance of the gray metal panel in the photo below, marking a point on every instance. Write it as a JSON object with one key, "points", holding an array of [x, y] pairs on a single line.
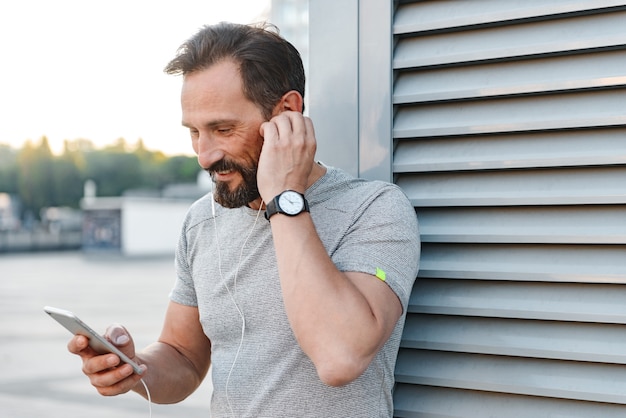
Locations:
{"points": [[333, 81], [510, 139], [576, 302], [525, 262], [527, 150], [436, 14], [576, 34], [597, 224], [350, 85], [413, 401], [591, 185], [517, 375], [597, 108], [596, 69], [375, 78], [604, 343]]}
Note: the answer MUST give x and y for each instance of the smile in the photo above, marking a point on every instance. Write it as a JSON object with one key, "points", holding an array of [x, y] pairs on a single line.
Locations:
{"points": [[223, 175]]}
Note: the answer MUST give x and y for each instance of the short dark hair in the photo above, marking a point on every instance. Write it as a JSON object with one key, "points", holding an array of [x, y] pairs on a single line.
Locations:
{"points": [[269, 65]]}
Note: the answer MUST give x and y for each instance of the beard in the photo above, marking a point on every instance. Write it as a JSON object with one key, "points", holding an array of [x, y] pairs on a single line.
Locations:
{"points": [[245, 193]]}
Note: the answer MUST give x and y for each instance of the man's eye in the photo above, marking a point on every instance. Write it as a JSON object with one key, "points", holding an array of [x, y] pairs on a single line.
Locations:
{"points": [[224, 131]]}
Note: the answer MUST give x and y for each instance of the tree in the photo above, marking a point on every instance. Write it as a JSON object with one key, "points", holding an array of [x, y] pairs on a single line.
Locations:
{"points": [[8, 169], [181, 168], [35, 176], [68, 177], [113, 171], [151, 166], [42, 179]]}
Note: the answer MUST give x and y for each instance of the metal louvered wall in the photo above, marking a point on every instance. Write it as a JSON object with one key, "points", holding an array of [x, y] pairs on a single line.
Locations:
{"points": [[510, 140]]}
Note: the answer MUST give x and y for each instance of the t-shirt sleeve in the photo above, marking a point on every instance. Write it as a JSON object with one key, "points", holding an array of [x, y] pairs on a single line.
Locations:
{"points": [[384, 241], [184, 291]]}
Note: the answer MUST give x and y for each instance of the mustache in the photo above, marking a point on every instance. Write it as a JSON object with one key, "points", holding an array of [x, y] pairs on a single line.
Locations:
{"points": [[223, 165], [227, 164]]}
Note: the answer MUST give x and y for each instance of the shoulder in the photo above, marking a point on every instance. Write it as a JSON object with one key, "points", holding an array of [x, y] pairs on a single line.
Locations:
{"points": [[341, 191], [200, 211]]}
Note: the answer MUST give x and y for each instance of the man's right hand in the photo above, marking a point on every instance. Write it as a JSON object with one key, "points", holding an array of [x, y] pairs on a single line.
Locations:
{"points": [[106, 372]]}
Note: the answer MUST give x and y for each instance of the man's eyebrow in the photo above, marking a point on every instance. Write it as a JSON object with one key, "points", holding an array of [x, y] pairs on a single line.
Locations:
{"points": [[213, 123]]}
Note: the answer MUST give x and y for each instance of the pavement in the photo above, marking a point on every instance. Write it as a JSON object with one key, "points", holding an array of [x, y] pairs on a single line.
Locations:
{"points": [[38, 376]]}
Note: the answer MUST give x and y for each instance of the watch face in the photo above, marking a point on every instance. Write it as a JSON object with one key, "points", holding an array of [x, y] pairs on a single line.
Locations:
{"points": [[291, 202]]}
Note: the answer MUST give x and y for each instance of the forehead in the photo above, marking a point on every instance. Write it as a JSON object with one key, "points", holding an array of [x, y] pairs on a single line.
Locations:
{"points": [[219, 82], [216, 94]]}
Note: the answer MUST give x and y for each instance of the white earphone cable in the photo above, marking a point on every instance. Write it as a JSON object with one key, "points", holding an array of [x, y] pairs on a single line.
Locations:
{"points": [[149, 398], [231, 294]]}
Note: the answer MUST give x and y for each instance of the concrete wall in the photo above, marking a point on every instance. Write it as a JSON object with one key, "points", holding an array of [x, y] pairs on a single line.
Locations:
{"points": [[151, 226]]}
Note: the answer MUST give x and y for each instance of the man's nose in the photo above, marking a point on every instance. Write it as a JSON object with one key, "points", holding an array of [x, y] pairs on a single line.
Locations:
{"points": [[208, 151]]}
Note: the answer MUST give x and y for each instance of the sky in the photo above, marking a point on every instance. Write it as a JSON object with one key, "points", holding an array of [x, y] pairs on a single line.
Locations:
{"points": [[93, 69]]}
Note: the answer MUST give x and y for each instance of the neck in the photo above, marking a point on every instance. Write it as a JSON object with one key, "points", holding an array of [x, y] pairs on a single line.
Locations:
{"points": [[257, 204]]}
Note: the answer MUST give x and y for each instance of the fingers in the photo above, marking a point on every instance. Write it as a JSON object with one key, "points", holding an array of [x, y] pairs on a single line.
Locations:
{"points": [[288, 125], [109, 375], [287, 155], [268, 130], [310, 130], [106, 372], [99, 363], [121, 338], [77, 344], [113, 380]]}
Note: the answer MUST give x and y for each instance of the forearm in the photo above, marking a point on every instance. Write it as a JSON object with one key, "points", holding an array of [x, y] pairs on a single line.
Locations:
{"points": [[339, 319], [170, 377], [335, 321]]}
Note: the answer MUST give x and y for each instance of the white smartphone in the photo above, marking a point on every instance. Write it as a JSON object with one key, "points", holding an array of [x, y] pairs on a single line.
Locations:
{"points": [[77, 327]]}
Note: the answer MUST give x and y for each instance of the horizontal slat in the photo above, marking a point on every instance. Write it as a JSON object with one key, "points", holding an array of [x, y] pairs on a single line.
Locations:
{"points": [[596, 224], [581, 302], [415, 401], [435, 15], [603, 343], [522, 376], [593, 185], [505, 42], [517, 114], [556, 263], [558, 73], [528, 150]]}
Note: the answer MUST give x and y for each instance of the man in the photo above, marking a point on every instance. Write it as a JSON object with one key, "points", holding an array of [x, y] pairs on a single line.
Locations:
{"points": [[300, 314]]}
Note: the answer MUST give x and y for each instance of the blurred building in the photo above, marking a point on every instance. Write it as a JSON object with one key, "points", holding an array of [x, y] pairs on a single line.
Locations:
{"points": [[139, 223], [9, 212]]}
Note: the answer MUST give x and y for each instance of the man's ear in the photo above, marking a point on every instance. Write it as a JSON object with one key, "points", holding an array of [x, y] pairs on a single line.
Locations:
{"points": [[291, 101]]}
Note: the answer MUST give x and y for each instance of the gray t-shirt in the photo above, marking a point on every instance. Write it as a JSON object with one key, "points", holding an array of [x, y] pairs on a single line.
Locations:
{"points": [[232, 277]]}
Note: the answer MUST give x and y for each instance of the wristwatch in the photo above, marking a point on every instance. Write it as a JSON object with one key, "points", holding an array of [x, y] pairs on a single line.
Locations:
{"points": [[289, 202]]}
